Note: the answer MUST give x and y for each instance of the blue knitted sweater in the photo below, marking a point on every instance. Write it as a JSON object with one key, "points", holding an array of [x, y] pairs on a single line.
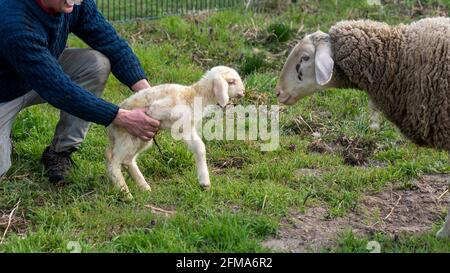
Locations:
{"points": [[31, 42]]}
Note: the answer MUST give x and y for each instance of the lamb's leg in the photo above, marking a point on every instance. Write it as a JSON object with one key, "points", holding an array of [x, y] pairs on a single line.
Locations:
{"points": [[114, 165], [197, 146], [375, 117], [136, 174], [444, 232]]}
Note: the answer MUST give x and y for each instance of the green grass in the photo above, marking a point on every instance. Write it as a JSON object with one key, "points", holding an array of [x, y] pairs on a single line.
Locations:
{"points": [[247, 203]]}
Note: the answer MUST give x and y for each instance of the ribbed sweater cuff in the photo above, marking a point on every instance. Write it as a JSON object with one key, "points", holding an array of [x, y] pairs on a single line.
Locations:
{"points": [[107, 114], [132, 75]]}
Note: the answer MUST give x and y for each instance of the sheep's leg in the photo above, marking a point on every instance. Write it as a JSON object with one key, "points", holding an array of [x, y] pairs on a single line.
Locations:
{"points": [[136, 174], [375, 117], [114, 165], [197, 146], [444, 232]]}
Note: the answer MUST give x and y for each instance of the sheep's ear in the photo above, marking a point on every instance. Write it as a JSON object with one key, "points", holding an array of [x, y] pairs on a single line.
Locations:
{"points": [[324, 63], [220, 87]]}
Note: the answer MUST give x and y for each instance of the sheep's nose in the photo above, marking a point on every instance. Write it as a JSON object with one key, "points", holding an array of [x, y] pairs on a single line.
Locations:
{"points": [[240, 95]]}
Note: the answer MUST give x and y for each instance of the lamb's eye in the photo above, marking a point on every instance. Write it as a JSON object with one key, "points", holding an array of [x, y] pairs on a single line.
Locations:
{"points": [[231, 82], [297, 67], [305, 58]]}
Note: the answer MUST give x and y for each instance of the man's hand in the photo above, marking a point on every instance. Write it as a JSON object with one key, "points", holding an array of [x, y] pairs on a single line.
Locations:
{"points": [[137, 123], [142, 84]]}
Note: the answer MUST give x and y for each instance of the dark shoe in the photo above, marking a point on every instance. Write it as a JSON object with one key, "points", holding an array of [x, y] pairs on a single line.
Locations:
{"points": [[56, 164]]}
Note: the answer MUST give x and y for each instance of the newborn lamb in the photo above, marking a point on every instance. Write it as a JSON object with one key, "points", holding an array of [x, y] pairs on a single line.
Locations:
{"points": [[169, 103]]}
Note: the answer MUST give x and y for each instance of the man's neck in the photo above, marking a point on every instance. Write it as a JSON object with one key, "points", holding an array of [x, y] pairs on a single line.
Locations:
{"points": [[46, 8]]}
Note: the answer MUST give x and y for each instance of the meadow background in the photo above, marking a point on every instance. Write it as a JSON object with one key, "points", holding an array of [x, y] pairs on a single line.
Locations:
{"points": [[253, 193]]}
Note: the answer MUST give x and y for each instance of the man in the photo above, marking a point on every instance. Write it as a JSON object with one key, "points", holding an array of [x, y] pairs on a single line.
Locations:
{"points": [[36, 67]]}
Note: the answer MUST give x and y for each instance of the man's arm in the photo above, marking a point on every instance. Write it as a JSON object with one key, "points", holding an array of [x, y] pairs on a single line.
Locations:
{"points": [[41, 71], [93, 28], [28, 54], [99, 34]]}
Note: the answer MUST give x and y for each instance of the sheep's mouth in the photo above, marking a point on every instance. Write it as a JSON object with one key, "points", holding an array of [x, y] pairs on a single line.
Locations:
{"points": [[289, 99], [285, 99]]}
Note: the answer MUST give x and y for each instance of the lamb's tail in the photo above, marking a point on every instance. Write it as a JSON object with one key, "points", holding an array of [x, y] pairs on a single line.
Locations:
{"points": [[108, 154]]}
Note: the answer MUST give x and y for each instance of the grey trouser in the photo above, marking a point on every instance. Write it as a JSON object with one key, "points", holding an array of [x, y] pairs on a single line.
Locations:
{"points": [[90, 70]]}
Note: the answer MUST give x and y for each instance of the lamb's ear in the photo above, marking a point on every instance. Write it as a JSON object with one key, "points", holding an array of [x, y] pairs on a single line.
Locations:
{"points": [[324, 62], [220, 87]]}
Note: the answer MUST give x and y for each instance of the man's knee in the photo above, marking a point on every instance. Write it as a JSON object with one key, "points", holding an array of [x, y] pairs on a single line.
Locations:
{"points": [[5, 155], [4, 167], [99, 64], [88, 67]]}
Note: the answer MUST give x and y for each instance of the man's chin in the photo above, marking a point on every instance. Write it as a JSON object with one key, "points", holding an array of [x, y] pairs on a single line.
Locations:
{"points": [[67, 8]]}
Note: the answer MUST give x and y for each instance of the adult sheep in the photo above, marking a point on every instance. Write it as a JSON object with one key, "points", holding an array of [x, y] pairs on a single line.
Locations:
{"points": [[405, 70]]}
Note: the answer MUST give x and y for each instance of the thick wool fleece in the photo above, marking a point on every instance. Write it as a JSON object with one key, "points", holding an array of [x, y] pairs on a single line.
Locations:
{"points": [[406, 71]]}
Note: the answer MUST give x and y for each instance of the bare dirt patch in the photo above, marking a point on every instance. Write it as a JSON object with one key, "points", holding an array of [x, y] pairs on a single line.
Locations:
{"points": [[354, 151], [12, 223], [320, 146], [219, 165], [394, 211]]}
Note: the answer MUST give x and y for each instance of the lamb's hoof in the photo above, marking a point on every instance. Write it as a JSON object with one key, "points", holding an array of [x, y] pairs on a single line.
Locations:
{"points": [[127, 197], [206, 187], [442, 234], [146, 188]]}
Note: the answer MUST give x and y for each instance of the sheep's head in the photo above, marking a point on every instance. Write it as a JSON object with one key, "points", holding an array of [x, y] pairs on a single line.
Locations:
{"points": [[308, 69], [226, 84]]}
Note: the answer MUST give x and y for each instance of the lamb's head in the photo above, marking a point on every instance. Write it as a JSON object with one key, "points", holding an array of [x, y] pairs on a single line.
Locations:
{"points": [[226, 84], [308, 69]]}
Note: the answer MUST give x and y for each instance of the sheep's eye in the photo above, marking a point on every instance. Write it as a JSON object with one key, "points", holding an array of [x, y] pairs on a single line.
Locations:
{"points": [[305, 58], [297, 67], [231, 82]]}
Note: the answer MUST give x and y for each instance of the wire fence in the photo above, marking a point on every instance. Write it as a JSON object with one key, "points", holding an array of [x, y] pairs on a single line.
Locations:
{"points": [[120, 10]]}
